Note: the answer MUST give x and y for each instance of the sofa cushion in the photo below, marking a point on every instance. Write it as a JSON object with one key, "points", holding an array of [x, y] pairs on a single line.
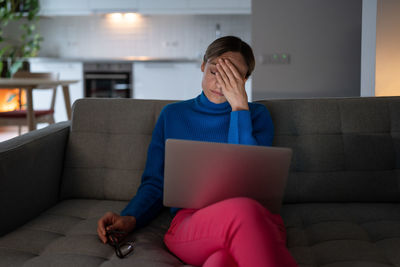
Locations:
{"points": [[318, 234], [345, 149], [343, 234], [30, 174], [351, 145], [107, 147], [65, 235]]}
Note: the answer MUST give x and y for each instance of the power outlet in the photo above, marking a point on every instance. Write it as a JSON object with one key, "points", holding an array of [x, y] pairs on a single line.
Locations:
{"points": [[275, 58], [172, 44]]}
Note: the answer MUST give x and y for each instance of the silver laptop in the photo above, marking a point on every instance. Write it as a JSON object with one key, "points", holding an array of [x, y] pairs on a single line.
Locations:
{"points": [[198, 174]]}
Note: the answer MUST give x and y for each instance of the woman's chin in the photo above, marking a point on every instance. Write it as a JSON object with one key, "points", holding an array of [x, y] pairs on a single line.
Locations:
{"points": [[215, 97], [218, 100]]}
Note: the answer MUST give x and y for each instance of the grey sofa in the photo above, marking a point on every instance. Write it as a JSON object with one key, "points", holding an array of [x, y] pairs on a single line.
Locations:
{"points": [[341, 205]]}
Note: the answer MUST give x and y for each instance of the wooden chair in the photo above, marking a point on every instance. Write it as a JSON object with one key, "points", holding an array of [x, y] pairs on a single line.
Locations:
{"points": [[19, 117]]}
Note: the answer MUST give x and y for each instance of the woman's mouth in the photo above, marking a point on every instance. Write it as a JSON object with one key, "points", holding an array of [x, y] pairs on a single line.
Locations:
{"points": [[217, 93]]}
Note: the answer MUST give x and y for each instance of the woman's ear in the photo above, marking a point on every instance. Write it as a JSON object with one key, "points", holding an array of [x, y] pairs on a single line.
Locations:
{"points": [[203, 65], [246, 78]]}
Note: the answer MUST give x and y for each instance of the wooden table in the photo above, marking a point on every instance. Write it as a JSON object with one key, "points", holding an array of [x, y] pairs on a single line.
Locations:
{"points": [[29, 84]]}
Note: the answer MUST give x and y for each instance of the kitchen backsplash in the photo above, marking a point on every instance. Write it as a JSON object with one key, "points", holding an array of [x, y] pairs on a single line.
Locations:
{"points": [[160, 36]]}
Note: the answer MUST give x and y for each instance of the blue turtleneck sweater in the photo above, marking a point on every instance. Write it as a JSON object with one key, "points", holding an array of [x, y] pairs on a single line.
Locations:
{"points": [[195, 119]]}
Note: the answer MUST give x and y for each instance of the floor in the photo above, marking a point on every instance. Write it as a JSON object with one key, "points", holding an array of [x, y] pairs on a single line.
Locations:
{"points": [[8, 132]]}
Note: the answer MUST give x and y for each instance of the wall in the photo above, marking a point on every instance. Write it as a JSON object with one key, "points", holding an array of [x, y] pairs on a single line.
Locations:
{"points": [[368, 48], [388, 48], [323, 39], [166, 36], [160, 36]]}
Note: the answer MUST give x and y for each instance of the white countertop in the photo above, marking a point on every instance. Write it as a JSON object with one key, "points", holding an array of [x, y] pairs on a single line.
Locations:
{"points": [[113, 59]]}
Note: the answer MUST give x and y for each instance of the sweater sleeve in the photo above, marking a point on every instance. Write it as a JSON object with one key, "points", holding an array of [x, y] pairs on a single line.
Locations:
{"points": [[251, 127], [147, 203]]}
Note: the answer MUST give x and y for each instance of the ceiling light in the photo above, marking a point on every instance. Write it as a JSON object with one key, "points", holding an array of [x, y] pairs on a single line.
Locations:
{"points": [[115, 16], [131, 17]]}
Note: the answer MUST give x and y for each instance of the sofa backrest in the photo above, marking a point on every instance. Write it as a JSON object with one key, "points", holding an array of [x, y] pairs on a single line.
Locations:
{"points": [[107, 147], [345, 149]]}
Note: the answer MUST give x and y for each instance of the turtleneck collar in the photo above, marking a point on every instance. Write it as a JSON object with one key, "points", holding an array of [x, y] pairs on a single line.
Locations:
{"points": [[206, 105]]}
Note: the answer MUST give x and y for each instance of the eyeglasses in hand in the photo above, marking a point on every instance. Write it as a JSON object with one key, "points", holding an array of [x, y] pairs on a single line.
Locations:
{"points": [[121, 249]]}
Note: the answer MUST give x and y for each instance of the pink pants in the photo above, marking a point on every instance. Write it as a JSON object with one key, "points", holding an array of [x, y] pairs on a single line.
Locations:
{"points": [[233, 232]]}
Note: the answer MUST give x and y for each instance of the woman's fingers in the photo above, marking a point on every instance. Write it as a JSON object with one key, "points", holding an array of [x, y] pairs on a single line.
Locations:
{"points": [[101, 232], [233, 69], [230, 81], [227, 71], [230, 75], [103, 224], [102, 237], [222, 74], [220, 81]]}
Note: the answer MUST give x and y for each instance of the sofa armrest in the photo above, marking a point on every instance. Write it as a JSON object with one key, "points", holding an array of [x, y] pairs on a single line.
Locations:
{"points": [[30, 174]]}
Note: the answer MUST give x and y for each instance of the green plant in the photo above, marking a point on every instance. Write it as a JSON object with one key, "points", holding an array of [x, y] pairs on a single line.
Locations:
{"points": [[28, 45]]}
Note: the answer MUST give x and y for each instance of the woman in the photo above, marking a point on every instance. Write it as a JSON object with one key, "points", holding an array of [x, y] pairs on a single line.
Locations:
{"points": [[233, 232]]}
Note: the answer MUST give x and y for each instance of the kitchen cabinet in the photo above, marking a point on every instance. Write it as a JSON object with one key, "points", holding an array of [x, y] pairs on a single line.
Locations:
{"points": [[63, 8], [114, 3], [166, 80], [172, 80], [67, 71], [169, 80], [194, 7], [88, 7], [222, 6]]}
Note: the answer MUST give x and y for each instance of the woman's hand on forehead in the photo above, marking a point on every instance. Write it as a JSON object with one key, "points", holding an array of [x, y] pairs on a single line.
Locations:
{"points": [[232, 64], [232, 84]]}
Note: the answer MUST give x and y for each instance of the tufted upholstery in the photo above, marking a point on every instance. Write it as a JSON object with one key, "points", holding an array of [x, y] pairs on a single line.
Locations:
{"points": [[65, 235], [342, 201], [107, 147], [343, 234], [341, 206], [345, 150]]}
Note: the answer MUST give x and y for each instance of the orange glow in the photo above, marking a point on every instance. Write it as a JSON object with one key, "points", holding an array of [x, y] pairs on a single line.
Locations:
{"points": [[116, 17], [9, 100], [123, 18], [387, 78], [131, 17]]}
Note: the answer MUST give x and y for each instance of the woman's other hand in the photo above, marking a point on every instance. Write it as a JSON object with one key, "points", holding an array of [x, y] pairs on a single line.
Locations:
{"points": [[232, 84], [113, 221]]}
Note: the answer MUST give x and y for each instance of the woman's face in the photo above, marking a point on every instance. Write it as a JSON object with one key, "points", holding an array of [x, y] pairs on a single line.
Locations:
{"points": [[209, 83]]}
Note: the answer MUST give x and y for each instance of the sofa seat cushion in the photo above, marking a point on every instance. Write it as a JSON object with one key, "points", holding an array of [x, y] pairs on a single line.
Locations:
{"points": [[344, 234], [320, 234], [65, 235]]}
